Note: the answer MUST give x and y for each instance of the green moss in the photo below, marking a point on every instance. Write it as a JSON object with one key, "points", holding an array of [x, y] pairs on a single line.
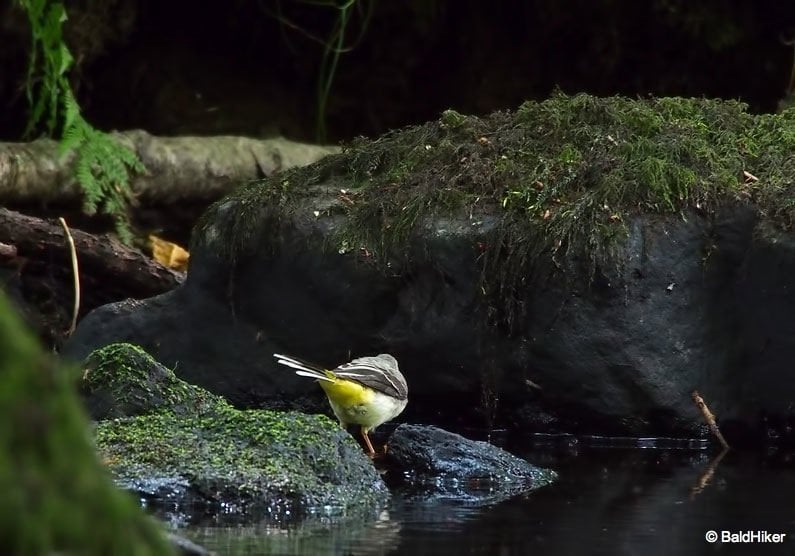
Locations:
{"points": [[562, 177], [452, 119], [252, 457], [122, 379], [56, 497]]}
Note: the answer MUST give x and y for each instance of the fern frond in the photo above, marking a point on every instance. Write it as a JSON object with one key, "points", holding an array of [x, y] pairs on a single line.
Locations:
{"points": [[103, 170], [71, 140], [102, 165], [71, 110]]}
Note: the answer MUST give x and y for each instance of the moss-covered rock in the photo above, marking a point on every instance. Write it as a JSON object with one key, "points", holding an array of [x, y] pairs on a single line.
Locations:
{"points": [[176, 443], [617, 253], [552, 186], [274, 464], [123, 380], [567, 172], [56, 497]]}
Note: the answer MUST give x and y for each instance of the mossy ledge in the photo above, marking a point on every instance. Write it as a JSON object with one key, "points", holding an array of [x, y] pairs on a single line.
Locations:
{"points": [[56, 496], [199, 449], [562, 178]]}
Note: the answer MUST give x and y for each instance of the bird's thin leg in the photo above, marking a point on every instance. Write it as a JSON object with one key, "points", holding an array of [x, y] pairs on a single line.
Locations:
{"points": [[370, 450]]}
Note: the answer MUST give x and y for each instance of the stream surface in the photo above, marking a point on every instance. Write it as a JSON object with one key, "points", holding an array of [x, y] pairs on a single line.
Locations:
{"points": [[613, 497]]}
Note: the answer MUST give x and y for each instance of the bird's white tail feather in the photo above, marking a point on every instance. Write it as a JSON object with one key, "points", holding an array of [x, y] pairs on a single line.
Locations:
{"points": [[314, 374], [303, 369]]}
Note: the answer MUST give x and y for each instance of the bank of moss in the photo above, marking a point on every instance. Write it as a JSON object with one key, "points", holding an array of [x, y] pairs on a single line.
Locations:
{"points": [[56, 496], [259, 461], [563, 177], [570, 170]]}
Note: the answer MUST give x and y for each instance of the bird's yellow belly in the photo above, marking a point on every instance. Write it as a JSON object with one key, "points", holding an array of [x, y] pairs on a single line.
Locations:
{"points": [[353, 404], [346, 393], [349, 401]]}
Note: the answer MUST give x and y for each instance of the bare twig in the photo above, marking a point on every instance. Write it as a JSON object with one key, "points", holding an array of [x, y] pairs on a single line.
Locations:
{"points": [[75, 272], [709, 418]]}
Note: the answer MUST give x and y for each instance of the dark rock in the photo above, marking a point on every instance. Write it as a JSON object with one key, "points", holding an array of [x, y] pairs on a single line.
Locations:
{"points": [[436, 462], [693, 299], [618, 358]]}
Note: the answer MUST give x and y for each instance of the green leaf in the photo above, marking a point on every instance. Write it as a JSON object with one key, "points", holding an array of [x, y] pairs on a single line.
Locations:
{"points": [[66, 59]]}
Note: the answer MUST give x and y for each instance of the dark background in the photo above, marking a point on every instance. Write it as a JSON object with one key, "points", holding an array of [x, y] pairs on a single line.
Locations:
{"points": [[252, 67]]}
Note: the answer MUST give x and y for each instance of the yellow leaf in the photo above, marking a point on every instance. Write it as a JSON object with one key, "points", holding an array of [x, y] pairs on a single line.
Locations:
{"points": [[169, 254]]}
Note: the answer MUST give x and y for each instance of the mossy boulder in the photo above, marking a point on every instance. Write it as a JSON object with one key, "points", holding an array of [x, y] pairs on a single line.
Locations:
{"points": [[580, 264], [56, 496], [122, 380], [253, 463], [179, 446]]}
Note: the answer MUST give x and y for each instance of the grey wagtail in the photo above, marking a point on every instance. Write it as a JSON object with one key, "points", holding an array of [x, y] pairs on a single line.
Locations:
{"points": [[368, 391]]}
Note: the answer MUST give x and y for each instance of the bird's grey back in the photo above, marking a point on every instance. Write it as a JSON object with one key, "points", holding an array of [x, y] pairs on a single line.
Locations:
{"points": [[380, 372]]}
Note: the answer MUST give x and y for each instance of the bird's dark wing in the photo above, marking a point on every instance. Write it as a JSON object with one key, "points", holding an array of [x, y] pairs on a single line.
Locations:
{"points": [[380, 373]]}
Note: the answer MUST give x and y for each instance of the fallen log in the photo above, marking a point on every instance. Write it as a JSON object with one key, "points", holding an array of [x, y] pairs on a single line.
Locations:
{"points": [[37, 271], [178, 168]]}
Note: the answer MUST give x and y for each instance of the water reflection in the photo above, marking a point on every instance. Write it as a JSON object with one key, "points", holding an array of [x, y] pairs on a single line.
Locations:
{"points": [[354, 537], [611, 501]]}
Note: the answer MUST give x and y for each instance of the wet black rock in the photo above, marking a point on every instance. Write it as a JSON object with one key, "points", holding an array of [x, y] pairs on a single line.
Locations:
{"points": [[434, 462]]}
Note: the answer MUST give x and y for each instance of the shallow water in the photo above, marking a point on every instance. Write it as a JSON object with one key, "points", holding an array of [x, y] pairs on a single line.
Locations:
{"points": [[608, 501]]}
